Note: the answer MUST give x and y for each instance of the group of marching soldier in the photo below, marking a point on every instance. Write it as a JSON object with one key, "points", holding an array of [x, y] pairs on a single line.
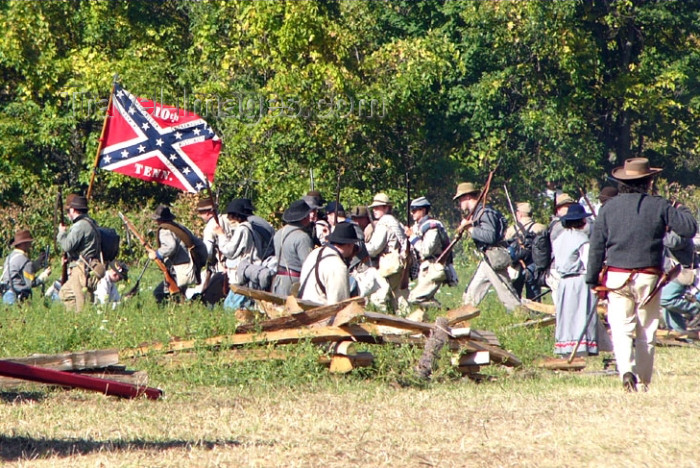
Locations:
{"points": [[325, 254]]}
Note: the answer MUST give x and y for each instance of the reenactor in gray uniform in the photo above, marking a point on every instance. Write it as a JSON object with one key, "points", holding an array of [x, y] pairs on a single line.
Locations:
{"points": [[19, 272], [429, 239], [385, 248], [174, 251], [293, 244], [82, 246], [486, 227], [324, 275]]}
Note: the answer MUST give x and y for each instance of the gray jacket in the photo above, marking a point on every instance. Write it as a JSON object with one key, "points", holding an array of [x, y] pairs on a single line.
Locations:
{"points": [[80, 240], [629, 232]]}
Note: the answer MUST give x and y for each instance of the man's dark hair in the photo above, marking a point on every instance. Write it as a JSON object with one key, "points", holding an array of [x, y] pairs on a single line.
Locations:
{"points": [[636, 186]]}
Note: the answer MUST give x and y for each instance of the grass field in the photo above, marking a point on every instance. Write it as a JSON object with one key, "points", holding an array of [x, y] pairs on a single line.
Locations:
{"points": [[294, 413]]}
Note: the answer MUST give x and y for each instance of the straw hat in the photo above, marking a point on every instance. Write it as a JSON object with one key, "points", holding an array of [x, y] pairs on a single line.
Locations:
{"points": [[380, 199]]}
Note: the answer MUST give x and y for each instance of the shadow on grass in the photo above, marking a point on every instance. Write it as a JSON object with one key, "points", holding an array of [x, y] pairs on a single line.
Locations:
{"points": [[15, 448]]}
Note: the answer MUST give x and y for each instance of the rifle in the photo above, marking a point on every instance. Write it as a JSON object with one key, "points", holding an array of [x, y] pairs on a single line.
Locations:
{"points": [[408, 260], [172, 285], [460, 231], [588, 202], [135, 288], [61, 220]]}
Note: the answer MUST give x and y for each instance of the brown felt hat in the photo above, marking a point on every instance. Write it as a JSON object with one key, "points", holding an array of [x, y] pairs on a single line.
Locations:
{"points": [[205, 205], [635, 168], [21, 237], [465, 188], [78, 202]]}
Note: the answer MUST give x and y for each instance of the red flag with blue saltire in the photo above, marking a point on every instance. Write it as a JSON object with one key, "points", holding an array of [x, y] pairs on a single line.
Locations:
{"points": [[159, 143]]}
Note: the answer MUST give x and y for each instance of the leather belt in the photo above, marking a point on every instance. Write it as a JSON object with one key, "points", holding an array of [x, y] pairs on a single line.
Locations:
{"points": [[285, 272]]}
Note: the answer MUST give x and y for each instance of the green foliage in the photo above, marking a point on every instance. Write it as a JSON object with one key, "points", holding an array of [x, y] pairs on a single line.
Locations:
{"points": [[421, 94]]}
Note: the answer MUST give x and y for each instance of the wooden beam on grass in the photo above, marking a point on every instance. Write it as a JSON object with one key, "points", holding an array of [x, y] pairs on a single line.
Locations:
{"points": [[364, 333], [498, 355], [462, 314], [544, 322], [269, 297], [70, 361], [53, 377], [577, 364], [306, 317]]}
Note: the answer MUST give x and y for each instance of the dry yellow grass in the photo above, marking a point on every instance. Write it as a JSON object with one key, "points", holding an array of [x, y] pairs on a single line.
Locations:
{"points": [[526, 419]]}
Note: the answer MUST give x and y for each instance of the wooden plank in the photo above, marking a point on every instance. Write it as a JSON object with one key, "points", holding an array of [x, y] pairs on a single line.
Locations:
{"points": [[71, 360], [365, 333], [539, 307], [461, 314], [498, 355], [541, 323], [67, 379], [348, 314], [673, 334], [577, 364], [397, 322], [269, 297], [306, 317], [485, 336]]}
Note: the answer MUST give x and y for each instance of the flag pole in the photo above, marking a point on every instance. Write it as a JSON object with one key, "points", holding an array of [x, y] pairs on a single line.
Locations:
{"points": [[101, 140]]}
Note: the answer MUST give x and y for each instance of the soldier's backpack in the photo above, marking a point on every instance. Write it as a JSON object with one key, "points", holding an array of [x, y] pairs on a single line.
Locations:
{"points": [[542, 250], [108, 239]]}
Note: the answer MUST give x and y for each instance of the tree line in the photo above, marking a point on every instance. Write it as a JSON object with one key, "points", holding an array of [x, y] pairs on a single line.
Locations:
{"points": [[407, 97]]}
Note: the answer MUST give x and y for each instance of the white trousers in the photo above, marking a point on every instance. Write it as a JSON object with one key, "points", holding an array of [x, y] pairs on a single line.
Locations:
{"points": [[633, 327], [484, 277]]}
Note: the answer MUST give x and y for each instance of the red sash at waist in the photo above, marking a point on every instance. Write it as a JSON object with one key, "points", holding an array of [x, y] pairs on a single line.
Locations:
{"points": [[646, 270]]}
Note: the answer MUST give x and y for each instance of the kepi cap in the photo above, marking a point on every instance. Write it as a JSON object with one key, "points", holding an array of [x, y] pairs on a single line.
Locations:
{"points": [[420, 202]]}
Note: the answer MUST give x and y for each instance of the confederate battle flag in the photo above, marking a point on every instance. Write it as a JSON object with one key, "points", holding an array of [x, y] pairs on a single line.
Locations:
{"points": [[159, 143]]}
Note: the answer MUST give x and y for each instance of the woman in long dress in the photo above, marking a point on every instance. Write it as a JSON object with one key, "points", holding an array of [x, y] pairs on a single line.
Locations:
{"points": [[574, 301]]}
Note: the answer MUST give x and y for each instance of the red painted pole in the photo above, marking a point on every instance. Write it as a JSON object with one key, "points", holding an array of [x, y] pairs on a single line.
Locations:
{"points": [[50, 376]]}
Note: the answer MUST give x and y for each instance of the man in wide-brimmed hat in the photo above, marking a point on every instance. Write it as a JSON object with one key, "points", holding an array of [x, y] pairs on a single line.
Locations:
{"points": [[324, 274], [486, 226], [178, 248], [237, 245], [293, 244], [385, 248], [19, 271], [628, 237], [81, 244], [360, 215], [208, 213], [519, 237]]}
